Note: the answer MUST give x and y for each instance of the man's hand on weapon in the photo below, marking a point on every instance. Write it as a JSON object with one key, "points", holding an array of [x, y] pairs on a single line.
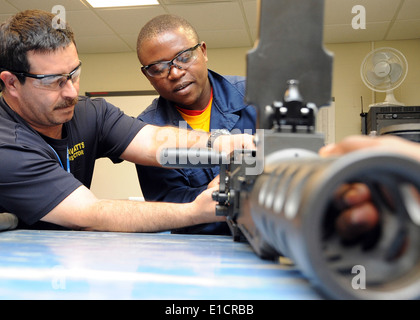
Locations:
{"points": [[228, 143], [358, 213]]}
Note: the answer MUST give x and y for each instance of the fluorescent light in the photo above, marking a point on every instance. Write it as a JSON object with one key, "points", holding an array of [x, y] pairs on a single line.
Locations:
{"points": [[121, 3]]}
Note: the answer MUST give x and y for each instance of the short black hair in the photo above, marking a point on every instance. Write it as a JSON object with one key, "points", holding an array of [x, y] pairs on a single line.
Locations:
{"points": [[161, 24], [30, 30]]}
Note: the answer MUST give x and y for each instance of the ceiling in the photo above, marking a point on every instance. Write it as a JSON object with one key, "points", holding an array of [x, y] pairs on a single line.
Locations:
{"points": [[222, 23]]}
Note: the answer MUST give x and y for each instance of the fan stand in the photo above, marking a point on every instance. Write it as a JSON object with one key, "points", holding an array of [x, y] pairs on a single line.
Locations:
{"points": [[389, 100]]}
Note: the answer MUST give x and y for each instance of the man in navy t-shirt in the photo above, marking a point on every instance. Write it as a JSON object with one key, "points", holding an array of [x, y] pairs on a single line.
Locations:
{"points": [[50, 138]]}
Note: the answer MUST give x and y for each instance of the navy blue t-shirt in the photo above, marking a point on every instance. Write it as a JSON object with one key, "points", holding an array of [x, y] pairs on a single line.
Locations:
{"points": [[33, 180]]}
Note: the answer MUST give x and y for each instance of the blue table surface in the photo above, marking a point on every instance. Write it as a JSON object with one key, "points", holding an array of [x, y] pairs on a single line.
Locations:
{"points": [[107, 265]]}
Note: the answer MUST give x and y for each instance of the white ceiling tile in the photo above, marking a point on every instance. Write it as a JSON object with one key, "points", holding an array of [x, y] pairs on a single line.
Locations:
{"points": [[181, 2], [340, 11], [225, 38], [101, 44], [129, 20], [131, 40], [254, 35], [6, 8], [222, 23], [211, 16], [86, 23], [410, 10], [250, 8], [47, 5], [405, 29], [345, 33]]}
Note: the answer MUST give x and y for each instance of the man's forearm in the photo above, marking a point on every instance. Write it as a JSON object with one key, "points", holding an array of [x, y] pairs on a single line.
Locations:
{"points": [[81, 210], [146, 146], [134, 216]]}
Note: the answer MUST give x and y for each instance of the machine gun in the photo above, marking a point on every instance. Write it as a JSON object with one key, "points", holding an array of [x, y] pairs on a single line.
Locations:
{"points": [[281, 197]]}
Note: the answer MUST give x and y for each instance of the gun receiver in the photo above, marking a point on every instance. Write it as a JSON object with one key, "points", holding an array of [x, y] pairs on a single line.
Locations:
{"points": [[281, 197]]}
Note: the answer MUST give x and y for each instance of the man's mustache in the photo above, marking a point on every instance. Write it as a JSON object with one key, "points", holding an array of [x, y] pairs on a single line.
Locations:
{"points": [[68, 103]]}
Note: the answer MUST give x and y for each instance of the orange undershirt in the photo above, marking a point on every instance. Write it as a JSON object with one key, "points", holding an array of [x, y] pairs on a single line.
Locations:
{"points": [[198, 119]]}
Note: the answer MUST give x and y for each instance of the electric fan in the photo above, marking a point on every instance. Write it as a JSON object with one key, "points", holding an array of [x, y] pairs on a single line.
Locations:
{"points": [[383, 70]]}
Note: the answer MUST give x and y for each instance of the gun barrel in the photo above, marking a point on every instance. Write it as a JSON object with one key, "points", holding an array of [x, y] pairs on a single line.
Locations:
{"points": [[293, 207]]}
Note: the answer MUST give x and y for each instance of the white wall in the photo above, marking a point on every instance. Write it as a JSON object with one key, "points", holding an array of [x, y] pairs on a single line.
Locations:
{"points": [[348, 87], [119, 181]]}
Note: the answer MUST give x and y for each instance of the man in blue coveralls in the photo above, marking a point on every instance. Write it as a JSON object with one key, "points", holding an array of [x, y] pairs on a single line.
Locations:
{"points": [[174, 60]]}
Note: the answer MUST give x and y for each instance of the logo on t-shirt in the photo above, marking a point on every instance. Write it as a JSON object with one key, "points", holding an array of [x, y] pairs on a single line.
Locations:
{"points": [[76, 151]]}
